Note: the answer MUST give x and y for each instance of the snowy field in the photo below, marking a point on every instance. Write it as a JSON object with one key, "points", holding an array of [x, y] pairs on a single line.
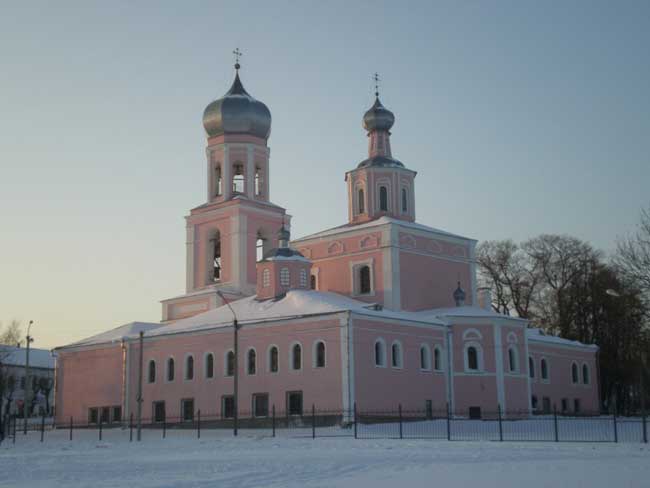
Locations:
{"points": [[218, 460]]}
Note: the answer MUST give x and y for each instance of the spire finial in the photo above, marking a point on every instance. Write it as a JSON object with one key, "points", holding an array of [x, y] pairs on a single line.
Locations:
{"points": [[237, 54], [375, 78]]}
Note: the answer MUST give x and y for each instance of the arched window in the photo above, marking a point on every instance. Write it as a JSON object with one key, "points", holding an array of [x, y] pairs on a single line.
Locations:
{"points": [[170, 369], [513, 360], [312, 282], [574, 373], [364, 280], [380, 353], [397, 359], [437, 359], [544, 369], [303, 278], [216, 257], [230, 363], [259, 248], [152, 371], [285, 277], [266, 278], [258, 181], [361, 203], [273, 359], [238, 178], [472, 358], [296, 357], [319, 354], [585, 374], [218, 181], [189, 368], [425, 358], [404, 200], [531, 367], [209, 365], [533, 402], [383, 199], [251, 361]]}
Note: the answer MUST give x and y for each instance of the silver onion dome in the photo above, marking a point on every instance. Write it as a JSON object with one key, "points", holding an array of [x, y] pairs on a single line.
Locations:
{"points": [[378, 117], [237, 113]]}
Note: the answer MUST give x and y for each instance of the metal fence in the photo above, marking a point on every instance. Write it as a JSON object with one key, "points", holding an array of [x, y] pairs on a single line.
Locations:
{"points": [[387, 424]]}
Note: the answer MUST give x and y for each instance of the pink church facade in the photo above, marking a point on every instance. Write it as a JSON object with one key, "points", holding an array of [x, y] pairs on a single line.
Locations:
{"points": [[379, 312]]}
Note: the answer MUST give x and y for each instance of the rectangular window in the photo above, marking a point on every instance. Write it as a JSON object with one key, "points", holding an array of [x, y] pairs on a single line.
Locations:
{"points": [[158, 411], [294, 403], [261, 404], [546, 404], [93, 416], [105, 415], [428, 404], [227, 406], [565, 405], [187, 409], [576, 405], [117, 414], [475, 413]]}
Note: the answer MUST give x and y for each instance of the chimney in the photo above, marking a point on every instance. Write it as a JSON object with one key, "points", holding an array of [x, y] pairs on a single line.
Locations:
{"points": [[485, 298]]}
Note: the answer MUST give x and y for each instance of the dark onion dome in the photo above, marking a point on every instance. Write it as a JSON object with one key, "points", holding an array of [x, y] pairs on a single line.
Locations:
{"points": [[381, 162], [237, 113], [459, 296], [378, 117]]}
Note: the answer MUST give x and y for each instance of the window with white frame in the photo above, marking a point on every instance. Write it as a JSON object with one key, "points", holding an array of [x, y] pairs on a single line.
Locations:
{"points": [[266, 278], [585, 374], [513, 359], [574, 374], [170, 369], [274, 360], [229, 363], [437, 358], [296, 357], [544, 369], [251, 362], [319, 354], [189, 367], [425, 358], [361, 202], [380, 353], [397, 355], [473, 357], [151, 377], [209, 365], [285, 277], [303, 278], [383, 199]]}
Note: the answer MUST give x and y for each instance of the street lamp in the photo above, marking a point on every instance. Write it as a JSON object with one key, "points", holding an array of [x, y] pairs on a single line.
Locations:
{"points": [[236, 368], [28, 386]]}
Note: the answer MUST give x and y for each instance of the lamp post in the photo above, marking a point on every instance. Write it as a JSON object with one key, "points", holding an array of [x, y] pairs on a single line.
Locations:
{"points": [[236, 368], [28, 387]]}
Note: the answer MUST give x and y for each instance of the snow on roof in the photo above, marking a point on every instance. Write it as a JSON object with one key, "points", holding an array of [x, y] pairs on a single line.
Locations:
{"points": [[16, 356], [377, 222], [537, 335], [468, 311], [127, 331]]}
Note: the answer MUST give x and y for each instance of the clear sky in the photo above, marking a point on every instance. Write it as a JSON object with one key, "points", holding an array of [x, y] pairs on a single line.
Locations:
{"points": [[520, 118]]}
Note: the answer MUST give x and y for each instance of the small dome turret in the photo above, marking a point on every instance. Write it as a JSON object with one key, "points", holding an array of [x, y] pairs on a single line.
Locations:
{"points": [[237, 112], [378, 117], [459, 296]]}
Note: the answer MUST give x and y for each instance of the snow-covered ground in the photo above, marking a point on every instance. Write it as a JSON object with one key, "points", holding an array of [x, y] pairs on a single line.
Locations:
{"points": [[218, 460]]}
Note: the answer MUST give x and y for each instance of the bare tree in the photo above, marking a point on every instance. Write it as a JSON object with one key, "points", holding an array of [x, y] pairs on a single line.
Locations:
{"points": [[633, 254]]}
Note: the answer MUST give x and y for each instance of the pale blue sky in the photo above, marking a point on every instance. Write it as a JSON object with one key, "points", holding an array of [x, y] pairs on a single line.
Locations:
{"points": [[519, 117]]}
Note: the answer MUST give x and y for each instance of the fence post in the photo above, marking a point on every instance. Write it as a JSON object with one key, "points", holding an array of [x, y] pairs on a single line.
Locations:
{"points": [[645, 428], [42, 427], [131, 428], [100, 427], [615, 429], [70, 427], [448, 423], [557, 437], [355, 420], [500, 424], [313, 421], [400, 421], [198, 425], [164, 425], [273, 420]]}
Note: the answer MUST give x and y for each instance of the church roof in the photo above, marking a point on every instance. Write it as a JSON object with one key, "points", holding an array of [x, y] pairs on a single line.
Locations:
{"points": [[126, 331], [377, 222], [16, 356]]}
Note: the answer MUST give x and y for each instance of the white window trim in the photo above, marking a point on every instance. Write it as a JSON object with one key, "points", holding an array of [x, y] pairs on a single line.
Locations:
{"points": [[315, 272], [256, 357], [389, 193], [155, 367], [472, 334], [356, 281], [442, 359], [302, 278], [548, 370], [314, 356], [268, 359], [302, 356], [429, 358], [384, 363], [515, 356], [167, 380], [400, 364], [288, 276], [187, 356], [225, 363], [479, 354], [574, 383], [582, 376], [205, 365]]}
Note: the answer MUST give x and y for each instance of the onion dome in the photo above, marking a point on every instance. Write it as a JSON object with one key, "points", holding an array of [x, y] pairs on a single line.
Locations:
{"points": [[459, 296], [237, 113], [378, 117]]}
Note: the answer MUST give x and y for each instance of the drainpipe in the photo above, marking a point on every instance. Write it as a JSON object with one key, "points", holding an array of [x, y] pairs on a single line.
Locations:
{"points": [[125, 381], [351, 399], [450, 399]]}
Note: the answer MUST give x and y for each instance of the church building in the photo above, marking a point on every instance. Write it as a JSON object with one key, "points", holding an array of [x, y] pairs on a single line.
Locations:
{"points": [[378, 312]]}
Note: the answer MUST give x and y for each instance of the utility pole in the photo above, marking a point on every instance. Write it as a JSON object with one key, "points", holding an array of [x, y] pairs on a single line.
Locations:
{"points": [[235, 395], [139, 399], [27, 400]]}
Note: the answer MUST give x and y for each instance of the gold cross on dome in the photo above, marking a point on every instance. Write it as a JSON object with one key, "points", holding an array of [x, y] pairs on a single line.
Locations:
{"points": [[237, 54], [375, 77]]}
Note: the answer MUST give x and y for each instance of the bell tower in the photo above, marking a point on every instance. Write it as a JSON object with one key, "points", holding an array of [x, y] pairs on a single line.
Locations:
{"points": [[237, 224], [380, 185]]}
